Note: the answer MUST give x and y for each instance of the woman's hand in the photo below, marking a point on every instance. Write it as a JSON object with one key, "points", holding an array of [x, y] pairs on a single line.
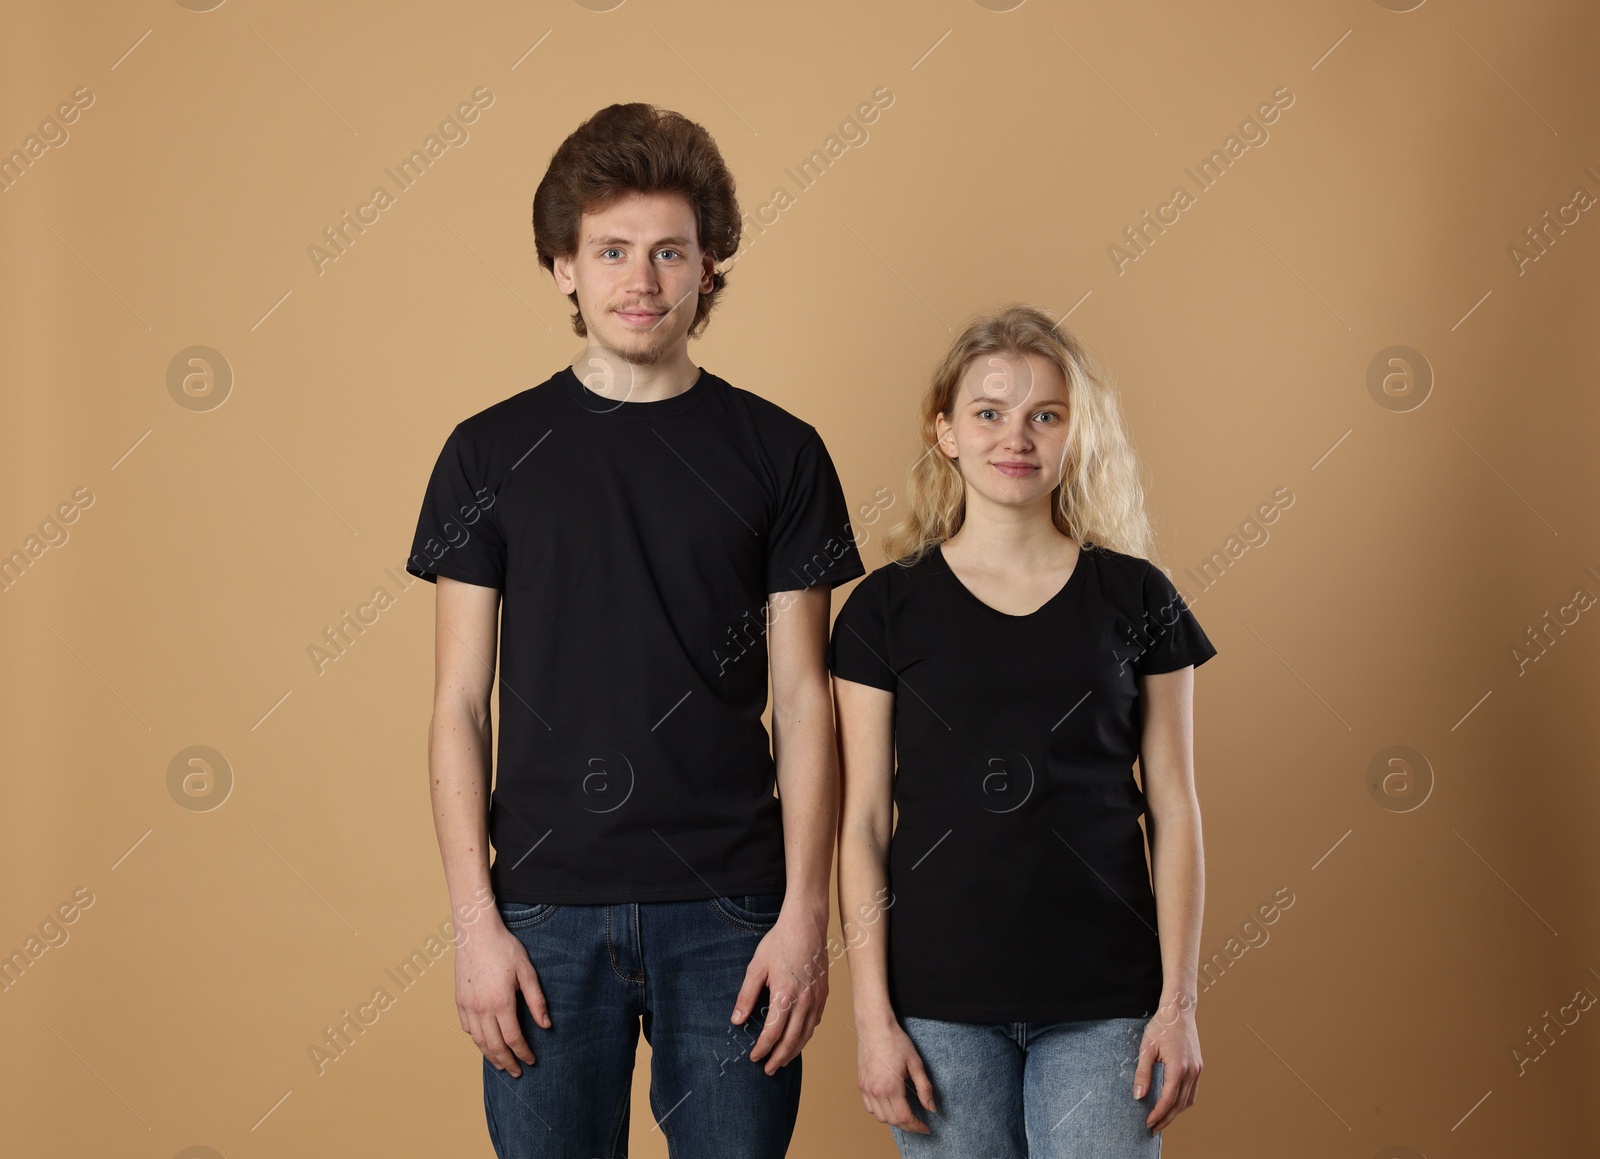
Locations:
{"points": [[1172, 1040], [886, 1063]]}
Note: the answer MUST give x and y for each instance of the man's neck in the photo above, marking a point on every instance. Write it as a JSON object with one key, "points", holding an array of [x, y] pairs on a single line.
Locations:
{"points": [[609, 374]]}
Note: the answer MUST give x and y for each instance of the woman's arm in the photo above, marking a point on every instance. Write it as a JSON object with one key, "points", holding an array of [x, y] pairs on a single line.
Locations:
{"points": [[1166, 764], [886, 1059]]}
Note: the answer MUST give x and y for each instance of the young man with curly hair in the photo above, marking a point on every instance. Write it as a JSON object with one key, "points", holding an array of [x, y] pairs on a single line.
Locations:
{"points": [[638, 539]]}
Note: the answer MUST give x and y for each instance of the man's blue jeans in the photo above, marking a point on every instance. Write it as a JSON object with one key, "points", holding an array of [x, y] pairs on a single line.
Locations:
{"points": [[675, 968]]}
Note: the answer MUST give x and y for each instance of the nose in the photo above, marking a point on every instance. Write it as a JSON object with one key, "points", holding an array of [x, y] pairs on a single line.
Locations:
{"points": [[1018, 436], [641, 277]]}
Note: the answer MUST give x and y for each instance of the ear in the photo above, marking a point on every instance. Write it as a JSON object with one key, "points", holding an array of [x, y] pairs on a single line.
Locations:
{"points": [[945, 436], [708, 269], [562, 270]]}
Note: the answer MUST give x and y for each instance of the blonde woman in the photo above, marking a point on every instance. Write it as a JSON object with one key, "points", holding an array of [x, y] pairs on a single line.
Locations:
{"points": [[1027, 991]]}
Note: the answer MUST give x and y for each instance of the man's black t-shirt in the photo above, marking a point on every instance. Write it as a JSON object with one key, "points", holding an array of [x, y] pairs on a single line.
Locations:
{"points": [[635, 545], [1020, 890]]}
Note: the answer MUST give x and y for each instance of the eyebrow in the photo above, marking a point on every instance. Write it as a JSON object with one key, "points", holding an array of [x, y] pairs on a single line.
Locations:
{"points": [[989, 400], [614, 240]]}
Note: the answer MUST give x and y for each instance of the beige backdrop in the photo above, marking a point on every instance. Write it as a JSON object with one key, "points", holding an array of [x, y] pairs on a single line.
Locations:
{"points": [[1370, 316]]}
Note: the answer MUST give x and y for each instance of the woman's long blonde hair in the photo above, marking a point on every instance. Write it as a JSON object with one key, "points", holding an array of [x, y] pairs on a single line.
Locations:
{"points": [[1100, 501]]}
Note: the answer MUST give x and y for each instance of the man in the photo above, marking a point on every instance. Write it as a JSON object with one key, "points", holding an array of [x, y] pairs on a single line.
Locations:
{"points": [[645, 534]]}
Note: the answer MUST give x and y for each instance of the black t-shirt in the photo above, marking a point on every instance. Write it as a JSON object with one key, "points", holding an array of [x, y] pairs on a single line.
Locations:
{"points": [[1017, 866], [635, 545]]}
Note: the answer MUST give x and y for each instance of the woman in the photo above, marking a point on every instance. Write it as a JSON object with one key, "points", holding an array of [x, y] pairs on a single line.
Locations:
{"points": [[1024, 989]]}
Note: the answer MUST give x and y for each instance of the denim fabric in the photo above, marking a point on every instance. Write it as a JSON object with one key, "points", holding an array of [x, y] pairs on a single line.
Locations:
{"points": [[1046, 1090], [674, 969]]}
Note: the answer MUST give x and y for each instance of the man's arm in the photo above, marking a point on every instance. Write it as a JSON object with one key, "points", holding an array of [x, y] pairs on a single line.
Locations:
{"points": [[491, 964], [461, 735], [792, 960]]}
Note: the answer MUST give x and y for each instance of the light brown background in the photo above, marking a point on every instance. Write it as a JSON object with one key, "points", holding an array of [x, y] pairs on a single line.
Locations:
{"points": [[1381, 610]]}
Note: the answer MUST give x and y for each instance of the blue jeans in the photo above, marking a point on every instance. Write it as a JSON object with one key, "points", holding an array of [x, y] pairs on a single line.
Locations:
{"points": [[1047, 1090], [674, 967]]}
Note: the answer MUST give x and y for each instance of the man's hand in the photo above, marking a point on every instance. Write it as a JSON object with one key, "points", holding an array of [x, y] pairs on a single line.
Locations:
{"points": [[792, 963], [887, 1064], [491, 967], [1172, 1040]]}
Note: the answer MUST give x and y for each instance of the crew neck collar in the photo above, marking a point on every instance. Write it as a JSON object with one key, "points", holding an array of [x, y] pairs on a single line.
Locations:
{"points": [[1074, 581], [595, 404]]}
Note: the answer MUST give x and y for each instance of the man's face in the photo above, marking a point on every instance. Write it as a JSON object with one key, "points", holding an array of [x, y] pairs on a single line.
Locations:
{"points": [[638, 274]]}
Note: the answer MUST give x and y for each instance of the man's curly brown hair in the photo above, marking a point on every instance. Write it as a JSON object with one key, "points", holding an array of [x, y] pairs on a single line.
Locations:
{"points": [[637, 148]]}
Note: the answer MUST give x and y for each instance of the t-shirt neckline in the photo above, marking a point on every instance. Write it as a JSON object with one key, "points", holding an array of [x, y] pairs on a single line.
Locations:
{"points": [[587, 400], [1073, 582]]}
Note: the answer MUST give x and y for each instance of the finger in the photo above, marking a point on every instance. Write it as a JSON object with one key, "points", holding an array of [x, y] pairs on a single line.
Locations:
{"points": [[1162, 1111], [1141, 1074], [755, 977], [778, 1011], [513, 1045], [533, 994], [900, 1115], [794, 1037], [492, 1044], [919, 1078], [876, 1107]]}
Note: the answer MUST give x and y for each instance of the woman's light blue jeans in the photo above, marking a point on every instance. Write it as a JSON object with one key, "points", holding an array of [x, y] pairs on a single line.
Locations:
{"points": [[1045, 1090]]}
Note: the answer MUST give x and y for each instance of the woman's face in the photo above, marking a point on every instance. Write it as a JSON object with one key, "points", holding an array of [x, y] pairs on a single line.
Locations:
{"points": [[1007, 430]]}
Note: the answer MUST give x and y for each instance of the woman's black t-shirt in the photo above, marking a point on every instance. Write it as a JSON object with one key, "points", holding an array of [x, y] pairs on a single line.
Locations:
{"points": [[1019, 886]]}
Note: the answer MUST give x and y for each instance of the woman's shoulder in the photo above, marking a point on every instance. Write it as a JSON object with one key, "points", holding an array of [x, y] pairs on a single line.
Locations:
{"points": [[1119, 569]]}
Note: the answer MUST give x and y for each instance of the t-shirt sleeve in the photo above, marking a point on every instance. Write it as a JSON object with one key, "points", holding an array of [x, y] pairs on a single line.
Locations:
{"points": [[858, 649], [1175, 639], [811, 541], [458, 533]]}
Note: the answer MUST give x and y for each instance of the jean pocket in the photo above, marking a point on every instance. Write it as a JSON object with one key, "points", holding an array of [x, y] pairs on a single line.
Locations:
{"points": [[750, 911], [519, 915]]}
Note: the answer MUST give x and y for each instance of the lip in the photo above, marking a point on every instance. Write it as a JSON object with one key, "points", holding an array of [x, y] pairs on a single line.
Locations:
{"points": [[639, 317], [1015, 470]]}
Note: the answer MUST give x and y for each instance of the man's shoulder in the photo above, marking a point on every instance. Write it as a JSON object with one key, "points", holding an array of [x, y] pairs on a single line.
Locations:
{"points": [[770, 419], [511, 414]]}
